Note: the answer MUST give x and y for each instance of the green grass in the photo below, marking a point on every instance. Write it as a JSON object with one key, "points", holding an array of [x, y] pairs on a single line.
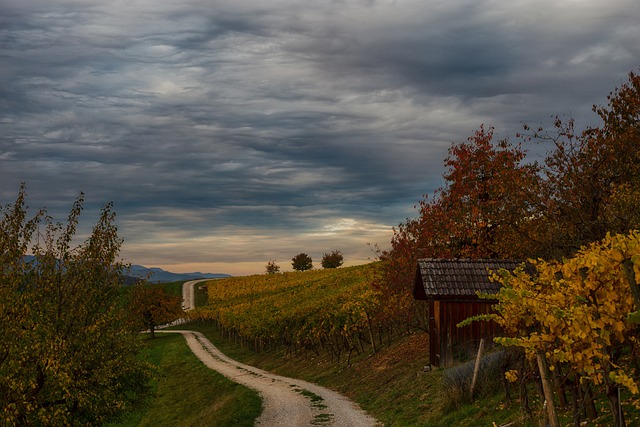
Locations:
{"points": [[172, 288], [190, 394], [200, 294], [392, 385]]}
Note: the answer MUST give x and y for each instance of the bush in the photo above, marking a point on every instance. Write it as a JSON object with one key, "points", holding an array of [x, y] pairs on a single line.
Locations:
{"points": [[68, 352], [302, 262], [332, 260], [272, 267]]}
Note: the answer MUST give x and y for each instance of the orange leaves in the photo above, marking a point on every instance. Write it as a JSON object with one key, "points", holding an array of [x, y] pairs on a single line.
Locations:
{"points": [[153, 306]]}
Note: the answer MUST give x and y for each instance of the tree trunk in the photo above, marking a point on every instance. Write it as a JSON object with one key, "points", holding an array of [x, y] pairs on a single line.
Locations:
{"points": [[477, 366], [559, 386], [575, 401], [524, 393], [373, 341], [589, 402]]}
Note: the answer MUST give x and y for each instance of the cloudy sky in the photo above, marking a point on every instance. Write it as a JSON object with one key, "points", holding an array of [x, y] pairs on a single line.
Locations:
{"points": [[231, 132]]}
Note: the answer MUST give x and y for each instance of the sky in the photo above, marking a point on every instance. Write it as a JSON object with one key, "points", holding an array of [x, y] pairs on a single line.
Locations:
{"points": [[230, 133]]}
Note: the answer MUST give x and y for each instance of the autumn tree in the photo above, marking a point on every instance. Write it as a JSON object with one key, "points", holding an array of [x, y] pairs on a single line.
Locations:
{"points": [[490, 198], [332, 260], [68, 353], [272, 267], [302, 262], [486, 209], [153, 306], [592, 178]]}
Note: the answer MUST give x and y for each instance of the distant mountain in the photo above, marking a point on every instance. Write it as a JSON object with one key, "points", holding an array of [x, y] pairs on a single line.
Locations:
{"points": [[158, 275]]}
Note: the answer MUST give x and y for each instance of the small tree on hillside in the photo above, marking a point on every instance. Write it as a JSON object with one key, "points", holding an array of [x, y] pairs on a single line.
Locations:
{"points": [[302, 262], [272, 267], [332, 260], [153, 306]]}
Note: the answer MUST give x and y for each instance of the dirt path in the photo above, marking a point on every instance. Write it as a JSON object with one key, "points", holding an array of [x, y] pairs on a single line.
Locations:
{"points": [[285, 401], [188, 294]]}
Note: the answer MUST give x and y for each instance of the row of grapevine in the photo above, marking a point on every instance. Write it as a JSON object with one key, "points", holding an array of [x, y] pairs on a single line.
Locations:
{"points": [[579, 317], [333, 310]]}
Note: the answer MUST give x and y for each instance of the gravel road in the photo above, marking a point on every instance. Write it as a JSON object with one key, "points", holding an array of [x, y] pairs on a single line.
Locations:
{"points": [[285, 401]]}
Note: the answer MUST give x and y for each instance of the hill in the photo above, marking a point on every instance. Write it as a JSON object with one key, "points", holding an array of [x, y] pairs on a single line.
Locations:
{"points": [[332, 310], [329, 327], [158, 275]]}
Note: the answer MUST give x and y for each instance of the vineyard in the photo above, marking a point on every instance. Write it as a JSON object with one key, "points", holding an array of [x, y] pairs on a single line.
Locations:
{"points": [[332, 310]]}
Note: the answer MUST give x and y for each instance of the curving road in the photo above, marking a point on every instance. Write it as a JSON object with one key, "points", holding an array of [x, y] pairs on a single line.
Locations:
{"points": [[188, 295], [286, 401]]}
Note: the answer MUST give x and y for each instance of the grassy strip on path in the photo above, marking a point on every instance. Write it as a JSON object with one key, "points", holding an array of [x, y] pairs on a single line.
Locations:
{"points": [[190, 394]]}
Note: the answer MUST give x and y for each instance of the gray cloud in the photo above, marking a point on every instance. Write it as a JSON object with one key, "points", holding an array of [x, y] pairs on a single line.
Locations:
{"points": [[231, 132]]}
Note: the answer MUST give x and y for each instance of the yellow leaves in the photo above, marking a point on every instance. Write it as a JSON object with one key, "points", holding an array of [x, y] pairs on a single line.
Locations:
{"points": [[306, 308], [511, 376], [620, 377], [617, 255], [576, 311]]}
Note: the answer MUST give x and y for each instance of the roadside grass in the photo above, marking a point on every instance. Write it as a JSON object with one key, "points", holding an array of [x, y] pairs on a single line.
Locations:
{"points": [[391, 385], [200, 294], [187, 393], [172, 288]]}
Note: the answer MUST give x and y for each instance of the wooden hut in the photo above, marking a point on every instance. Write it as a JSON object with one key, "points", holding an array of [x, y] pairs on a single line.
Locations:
{"points": [[451, 287]]}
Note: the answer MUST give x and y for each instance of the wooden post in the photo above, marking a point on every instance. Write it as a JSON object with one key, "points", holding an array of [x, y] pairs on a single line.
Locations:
{"points": [[373, 340], [477, 367], [546, 387]]}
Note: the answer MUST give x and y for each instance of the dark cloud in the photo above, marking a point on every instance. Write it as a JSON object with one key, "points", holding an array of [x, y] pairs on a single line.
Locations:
{"points": [[232, 132]]}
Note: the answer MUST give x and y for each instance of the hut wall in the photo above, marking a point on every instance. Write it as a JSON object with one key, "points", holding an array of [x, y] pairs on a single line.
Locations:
{"points": [[449, 344]]}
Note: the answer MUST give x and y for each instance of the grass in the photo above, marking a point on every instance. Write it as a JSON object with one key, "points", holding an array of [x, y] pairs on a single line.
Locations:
{"points": [[200, 294], [190, 394]]}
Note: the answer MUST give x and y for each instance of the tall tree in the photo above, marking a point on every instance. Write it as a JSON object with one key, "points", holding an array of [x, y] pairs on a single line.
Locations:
{"points": [[68, 354], [592, 177], [487, 209], [490, 199]]}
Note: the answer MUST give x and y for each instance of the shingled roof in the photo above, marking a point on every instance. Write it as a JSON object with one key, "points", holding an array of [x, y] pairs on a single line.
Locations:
{"points": [[462, 278]]}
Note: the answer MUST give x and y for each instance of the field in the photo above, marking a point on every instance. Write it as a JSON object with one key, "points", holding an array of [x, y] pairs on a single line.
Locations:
{"points": [[333, 311], [390, 382]]}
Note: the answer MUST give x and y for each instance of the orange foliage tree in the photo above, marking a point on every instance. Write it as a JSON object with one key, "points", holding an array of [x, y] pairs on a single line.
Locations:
{"points": [[153, 306], [591, 183], [487, 209]]}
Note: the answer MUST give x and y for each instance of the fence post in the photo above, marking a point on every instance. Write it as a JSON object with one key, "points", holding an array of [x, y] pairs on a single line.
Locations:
{"points": [[546, 387], [477, 367]]}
